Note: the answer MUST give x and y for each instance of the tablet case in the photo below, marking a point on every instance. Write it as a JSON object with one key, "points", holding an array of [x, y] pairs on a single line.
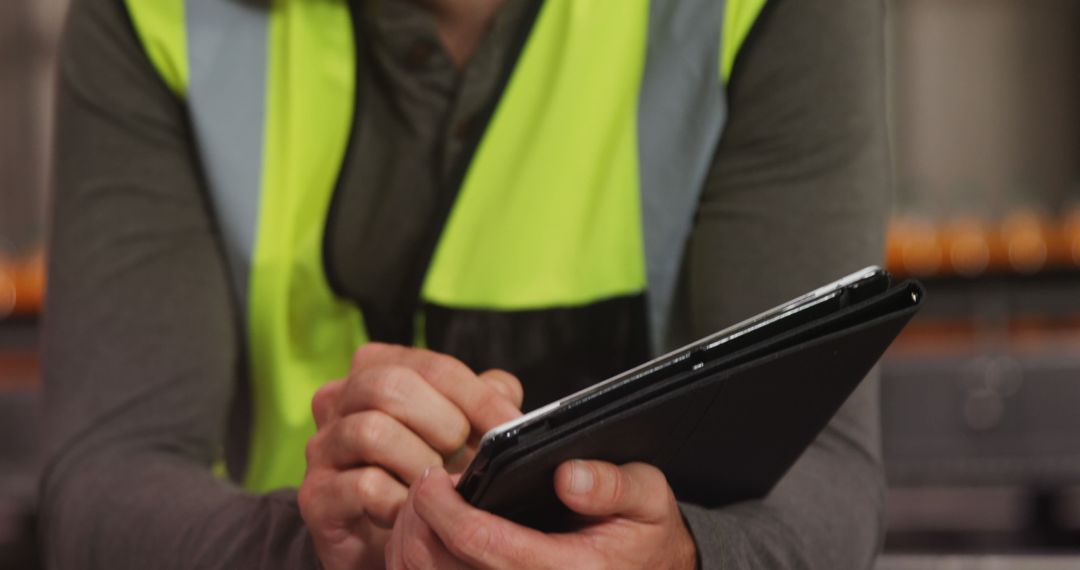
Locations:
{"points": [[723, 433]]}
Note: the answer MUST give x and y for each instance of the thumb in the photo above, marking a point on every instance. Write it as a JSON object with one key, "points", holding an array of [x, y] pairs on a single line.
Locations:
{"points": [[600, 489]]}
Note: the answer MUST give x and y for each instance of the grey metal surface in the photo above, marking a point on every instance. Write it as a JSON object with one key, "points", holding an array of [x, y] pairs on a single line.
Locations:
{"points": [[995, 402], [957, 562], [983, 420]]}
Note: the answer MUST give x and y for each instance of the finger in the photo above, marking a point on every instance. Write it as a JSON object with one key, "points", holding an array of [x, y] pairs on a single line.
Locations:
{"points": [[392, 550], [506, 384], [373, 438], [483, 406], [479, 538], [416, 546], [324, 402], [600, 489], [404, 395], [459, 460], [345, 497], [375, 353]]}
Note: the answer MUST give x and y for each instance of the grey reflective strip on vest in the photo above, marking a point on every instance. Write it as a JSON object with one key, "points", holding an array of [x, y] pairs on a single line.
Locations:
{"points": [[681, 112], [227, 61]]}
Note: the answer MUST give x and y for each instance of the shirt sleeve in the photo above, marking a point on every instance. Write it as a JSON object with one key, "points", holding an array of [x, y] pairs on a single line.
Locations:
{"points": [[140, 333], [797, 197]]}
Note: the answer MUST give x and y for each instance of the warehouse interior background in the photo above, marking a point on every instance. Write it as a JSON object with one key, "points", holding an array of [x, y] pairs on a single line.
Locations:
{"points": [[981, 394]]}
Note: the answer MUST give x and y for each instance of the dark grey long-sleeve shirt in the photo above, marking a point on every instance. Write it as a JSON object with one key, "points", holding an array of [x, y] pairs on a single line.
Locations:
{"points": [[143, 351]]}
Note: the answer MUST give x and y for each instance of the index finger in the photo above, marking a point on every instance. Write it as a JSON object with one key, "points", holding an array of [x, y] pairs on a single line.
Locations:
{"points": [[483, 405]]}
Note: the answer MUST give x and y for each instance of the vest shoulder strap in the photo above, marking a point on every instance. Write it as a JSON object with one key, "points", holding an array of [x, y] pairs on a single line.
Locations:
{"points": [[739, 18], [160, 24]]}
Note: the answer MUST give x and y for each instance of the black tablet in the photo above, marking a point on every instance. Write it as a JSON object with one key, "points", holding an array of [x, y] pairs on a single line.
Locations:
{"points": [[723, 417]]}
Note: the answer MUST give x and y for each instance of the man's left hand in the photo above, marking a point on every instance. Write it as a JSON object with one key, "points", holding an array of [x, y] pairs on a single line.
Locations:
{"points": [[635, 523]]}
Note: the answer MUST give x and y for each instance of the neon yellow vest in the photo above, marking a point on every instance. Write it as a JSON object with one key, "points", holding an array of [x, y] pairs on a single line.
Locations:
{"points": [[583, 187]]}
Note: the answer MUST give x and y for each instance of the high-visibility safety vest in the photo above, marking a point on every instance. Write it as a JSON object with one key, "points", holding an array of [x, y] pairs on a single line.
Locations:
{"points": [[583, 186]]}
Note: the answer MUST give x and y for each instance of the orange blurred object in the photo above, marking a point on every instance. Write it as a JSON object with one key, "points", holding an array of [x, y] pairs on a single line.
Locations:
{"points": [[30, 284], [7, 287], [1025, 237], [967, 242], [22, 284], [1023, 242], [1070, 237], [899, 228], [914, 248]]}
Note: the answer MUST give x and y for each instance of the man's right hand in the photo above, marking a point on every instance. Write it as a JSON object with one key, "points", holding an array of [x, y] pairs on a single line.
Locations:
{"points": [[400, 411]]}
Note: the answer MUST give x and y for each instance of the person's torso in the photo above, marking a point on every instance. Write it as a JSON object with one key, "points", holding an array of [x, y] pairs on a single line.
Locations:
{"points": [[510, 215]]}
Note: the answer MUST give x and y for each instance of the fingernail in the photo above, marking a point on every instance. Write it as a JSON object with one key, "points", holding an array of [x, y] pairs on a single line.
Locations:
{"points": [[425, 474], [581, 478]]}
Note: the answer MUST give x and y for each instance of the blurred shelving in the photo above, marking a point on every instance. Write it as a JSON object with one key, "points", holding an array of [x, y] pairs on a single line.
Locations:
{"points": [[979, 394], [1023, 242]]}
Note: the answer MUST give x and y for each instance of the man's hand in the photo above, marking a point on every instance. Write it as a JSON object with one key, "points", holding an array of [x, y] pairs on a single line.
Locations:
{"points": [[636, 523], [399, 412]]}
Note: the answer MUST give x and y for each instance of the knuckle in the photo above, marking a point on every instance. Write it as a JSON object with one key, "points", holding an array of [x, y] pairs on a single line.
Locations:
{"points": [[318, 402], [458, 436], [305, 498], [368, 485], [500, 375], [656, 478], [646, 476], [485, 401], [310, 499], [361, 355], [444, 366], [366, 352], [312, 448], [387, 386], [488, 397], [617, 486], [325, 400], [513, 383], [315, 501], [371, 430]]}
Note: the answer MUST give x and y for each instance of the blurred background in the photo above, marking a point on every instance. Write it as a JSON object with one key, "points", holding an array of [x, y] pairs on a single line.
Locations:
{"points": [[981, 394]]}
